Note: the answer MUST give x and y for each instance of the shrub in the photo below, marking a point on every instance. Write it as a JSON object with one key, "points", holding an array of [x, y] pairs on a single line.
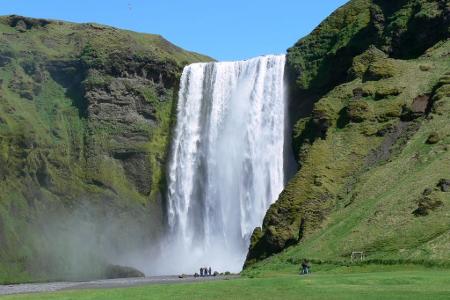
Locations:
{"points": [[425, 67], [433, 138]]}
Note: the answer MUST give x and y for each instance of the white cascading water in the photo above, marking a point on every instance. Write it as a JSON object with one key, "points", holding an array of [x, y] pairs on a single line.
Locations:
{"points": [[226, 164]]}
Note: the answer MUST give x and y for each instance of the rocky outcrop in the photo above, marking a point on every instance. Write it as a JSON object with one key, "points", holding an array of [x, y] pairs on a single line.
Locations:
{"points": [[24, 23], [120, 104]]}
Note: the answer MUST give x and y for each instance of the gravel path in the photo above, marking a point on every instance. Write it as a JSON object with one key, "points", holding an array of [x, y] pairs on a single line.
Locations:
{"points": [[99, 284]]}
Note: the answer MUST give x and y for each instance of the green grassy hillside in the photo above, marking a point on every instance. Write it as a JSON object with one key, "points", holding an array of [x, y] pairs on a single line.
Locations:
{"points": [[374, 148], [85, 119]]}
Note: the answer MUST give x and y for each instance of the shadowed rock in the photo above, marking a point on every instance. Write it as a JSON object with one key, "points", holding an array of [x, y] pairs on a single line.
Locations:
{"points": [[444, 185], [116, 271]]}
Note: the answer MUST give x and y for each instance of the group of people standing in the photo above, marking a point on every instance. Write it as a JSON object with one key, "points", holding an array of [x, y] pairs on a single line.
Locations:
{"points": [[205, 271], [305, 269]]}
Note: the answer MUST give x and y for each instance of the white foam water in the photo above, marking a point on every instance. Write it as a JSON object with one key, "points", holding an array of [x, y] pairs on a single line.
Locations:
{"points": [[226, 164]]}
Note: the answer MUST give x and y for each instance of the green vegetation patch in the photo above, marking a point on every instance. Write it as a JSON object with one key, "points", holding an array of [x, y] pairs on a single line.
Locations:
{"points": [[341, 284]]}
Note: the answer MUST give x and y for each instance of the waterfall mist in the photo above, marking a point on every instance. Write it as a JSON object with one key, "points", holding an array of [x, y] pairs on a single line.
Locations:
{"points": [[227, 162]]}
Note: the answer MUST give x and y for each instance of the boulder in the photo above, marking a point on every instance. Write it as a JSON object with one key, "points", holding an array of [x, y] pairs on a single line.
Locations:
{"points": [[420, 104], [425, 67], [433, 138], [358, 93], [116, 271], [419, 108], [444, 185], [427, 191], [4, 60], [26, 95], [425, 205]]}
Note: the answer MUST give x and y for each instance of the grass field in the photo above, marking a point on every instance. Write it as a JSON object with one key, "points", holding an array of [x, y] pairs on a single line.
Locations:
{"points": [[388, 282]]}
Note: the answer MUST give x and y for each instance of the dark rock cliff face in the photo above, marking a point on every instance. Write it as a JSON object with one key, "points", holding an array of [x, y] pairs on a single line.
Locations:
{"points": [[120, 104], [352, 58], [85, 118]]}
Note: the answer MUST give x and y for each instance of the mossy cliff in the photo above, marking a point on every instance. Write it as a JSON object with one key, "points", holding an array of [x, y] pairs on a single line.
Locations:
{"points": [[85, 118], [370, 112]]}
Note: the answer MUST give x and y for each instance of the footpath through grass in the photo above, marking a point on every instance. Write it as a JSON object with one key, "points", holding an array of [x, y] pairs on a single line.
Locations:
{"points": [[393, 284]]}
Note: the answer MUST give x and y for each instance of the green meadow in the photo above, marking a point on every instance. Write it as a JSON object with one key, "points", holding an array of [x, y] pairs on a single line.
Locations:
{"points": [[363, 282]]}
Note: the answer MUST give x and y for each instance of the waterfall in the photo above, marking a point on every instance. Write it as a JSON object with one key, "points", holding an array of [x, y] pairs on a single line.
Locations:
{"points": [[226, 164]]}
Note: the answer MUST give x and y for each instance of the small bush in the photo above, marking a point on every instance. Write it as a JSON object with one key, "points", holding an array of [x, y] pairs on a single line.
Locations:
{"points": [[425, 67], [433, 138]]}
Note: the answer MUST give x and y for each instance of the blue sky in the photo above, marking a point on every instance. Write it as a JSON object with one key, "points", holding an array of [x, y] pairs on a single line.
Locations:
{"points": [[223, 29]]}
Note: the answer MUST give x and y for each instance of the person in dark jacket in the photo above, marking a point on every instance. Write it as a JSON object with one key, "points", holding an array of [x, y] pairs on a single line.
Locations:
{"points": [[305, 267]]}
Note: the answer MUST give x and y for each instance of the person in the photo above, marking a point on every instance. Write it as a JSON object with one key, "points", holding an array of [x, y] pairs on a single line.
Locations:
{"points": [[209, 271], [201, 272], [305, 267]]}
